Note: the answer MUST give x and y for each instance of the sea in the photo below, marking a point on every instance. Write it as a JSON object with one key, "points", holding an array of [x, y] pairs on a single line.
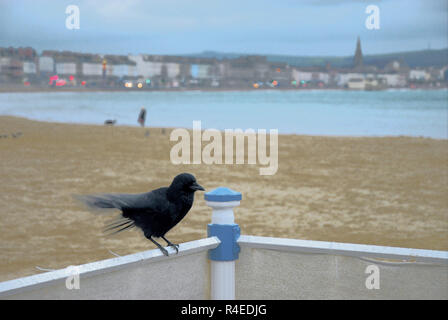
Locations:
{"points": [[406, 112]]}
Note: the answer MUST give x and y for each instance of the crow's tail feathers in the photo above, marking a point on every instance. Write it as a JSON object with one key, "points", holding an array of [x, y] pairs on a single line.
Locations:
{"points": [[106, 201], [96, 202], [118, 225]]}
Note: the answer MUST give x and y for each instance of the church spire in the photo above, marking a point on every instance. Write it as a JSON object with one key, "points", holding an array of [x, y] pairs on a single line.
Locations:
{"points": [[357, 61]]}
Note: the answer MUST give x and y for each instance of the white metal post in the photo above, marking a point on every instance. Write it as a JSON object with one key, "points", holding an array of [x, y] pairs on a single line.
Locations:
{"points": [[222, 201]]}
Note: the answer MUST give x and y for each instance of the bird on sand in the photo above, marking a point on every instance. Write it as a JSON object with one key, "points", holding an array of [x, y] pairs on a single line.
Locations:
{"points": [[155, 212], [110, 122]]}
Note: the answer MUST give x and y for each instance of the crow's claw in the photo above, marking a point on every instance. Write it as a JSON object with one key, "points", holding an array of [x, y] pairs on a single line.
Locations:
{"points": [[164, 251], [170, 244], [175, 246]]}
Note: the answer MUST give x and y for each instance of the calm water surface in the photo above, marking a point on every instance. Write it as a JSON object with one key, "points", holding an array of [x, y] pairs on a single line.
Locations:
{"points": [[319, 112]]}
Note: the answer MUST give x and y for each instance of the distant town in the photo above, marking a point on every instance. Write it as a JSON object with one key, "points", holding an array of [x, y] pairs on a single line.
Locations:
{"points": [[24, 69]]}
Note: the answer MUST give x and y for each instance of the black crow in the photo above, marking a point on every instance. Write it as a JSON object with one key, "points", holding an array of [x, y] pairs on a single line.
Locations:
{"points": [[154, 212]]}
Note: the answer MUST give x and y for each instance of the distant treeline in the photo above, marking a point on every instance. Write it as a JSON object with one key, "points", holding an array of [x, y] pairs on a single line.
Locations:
{"points": [[422, 58]]}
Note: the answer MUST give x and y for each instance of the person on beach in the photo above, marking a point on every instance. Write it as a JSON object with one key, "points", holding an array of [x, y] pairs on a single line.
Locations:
{"points": [[142, 117]]}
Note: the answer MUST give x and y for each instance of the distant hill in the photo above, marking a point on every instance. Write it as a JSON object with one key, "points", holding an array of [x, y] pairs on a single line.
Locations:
{"points": [[422, 58]]}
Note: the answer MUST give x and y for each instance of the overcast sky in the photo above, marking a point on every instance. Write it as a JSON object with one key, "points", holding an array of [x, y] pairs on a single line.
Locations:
{"points": [[293, 27]]}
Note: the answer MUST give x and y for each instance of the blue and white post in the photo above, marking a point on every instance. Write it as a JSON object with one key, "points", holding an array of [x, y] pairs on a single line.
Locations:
{"points": [[222, 201]]}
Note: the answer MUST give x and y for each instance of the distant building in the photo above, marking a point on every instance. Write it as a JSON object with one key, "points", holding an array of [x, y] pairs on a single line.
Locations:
{"points": [[15, 62], [86, 65], [92, 69], [366, 83], [148, 66], [374, 83], [29, 67], [419, 75], [4, 64], [65, 62], [66, 68], [89, 65], [358, 60], [11, 67], [444, 73], [145, 67], [279, 72], [342, 78], [119, 66], [19, 65], [46, 64], [172, 69], [310, 75], [436, 74], [299, 75], [121, 70], [395, 80], [244, 68], [356, 83], [201, 71], [18, 53], [254, 71]]}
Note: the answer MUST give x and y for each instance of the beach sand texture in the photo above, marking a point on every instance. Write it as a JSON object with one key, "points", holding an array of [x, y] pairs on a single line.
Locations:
{"points": [[388, 191]]}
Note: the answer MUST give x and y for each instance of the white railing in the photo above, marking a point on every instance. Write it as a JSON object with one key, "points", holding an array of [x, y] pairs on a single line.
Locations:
{"points": [[273, 268], [144, 275], [265, 268], [268, 268], [345, 249]]}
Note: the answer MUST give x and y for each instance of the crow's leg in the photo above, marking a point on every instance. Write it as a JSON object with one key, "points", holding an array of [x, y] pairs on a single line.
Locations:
{"points": [[175, 246], [164, 251]]}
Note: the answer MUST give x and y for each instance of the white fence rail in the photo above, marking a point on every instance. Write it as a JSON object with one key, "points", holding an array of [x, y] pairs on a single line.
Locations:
{"points": [[268, 268], [273, 268], [144, 275], [345, 249]]}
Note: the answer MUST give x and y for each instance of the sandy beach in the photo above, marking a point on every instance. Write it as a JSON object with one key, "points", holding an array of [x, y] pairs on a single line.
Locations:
{"points": [[388, 191]]}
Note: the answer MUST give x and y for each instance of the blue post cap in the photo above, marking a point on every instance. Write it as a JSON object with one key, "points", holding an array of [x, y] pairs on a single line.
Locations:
{"points": [[223, 194]]}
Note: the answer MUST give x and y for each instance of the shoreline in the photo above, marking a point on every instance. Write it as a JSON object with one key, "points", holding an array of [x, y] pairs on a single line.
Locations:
{"points": [[55, 90], [222, 131], [51, 90]]}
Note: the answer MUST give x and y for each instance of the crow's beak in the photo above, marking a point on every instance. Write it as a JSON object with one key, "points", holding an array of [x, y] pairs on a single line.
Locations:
{"points": [[195, 186]]}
